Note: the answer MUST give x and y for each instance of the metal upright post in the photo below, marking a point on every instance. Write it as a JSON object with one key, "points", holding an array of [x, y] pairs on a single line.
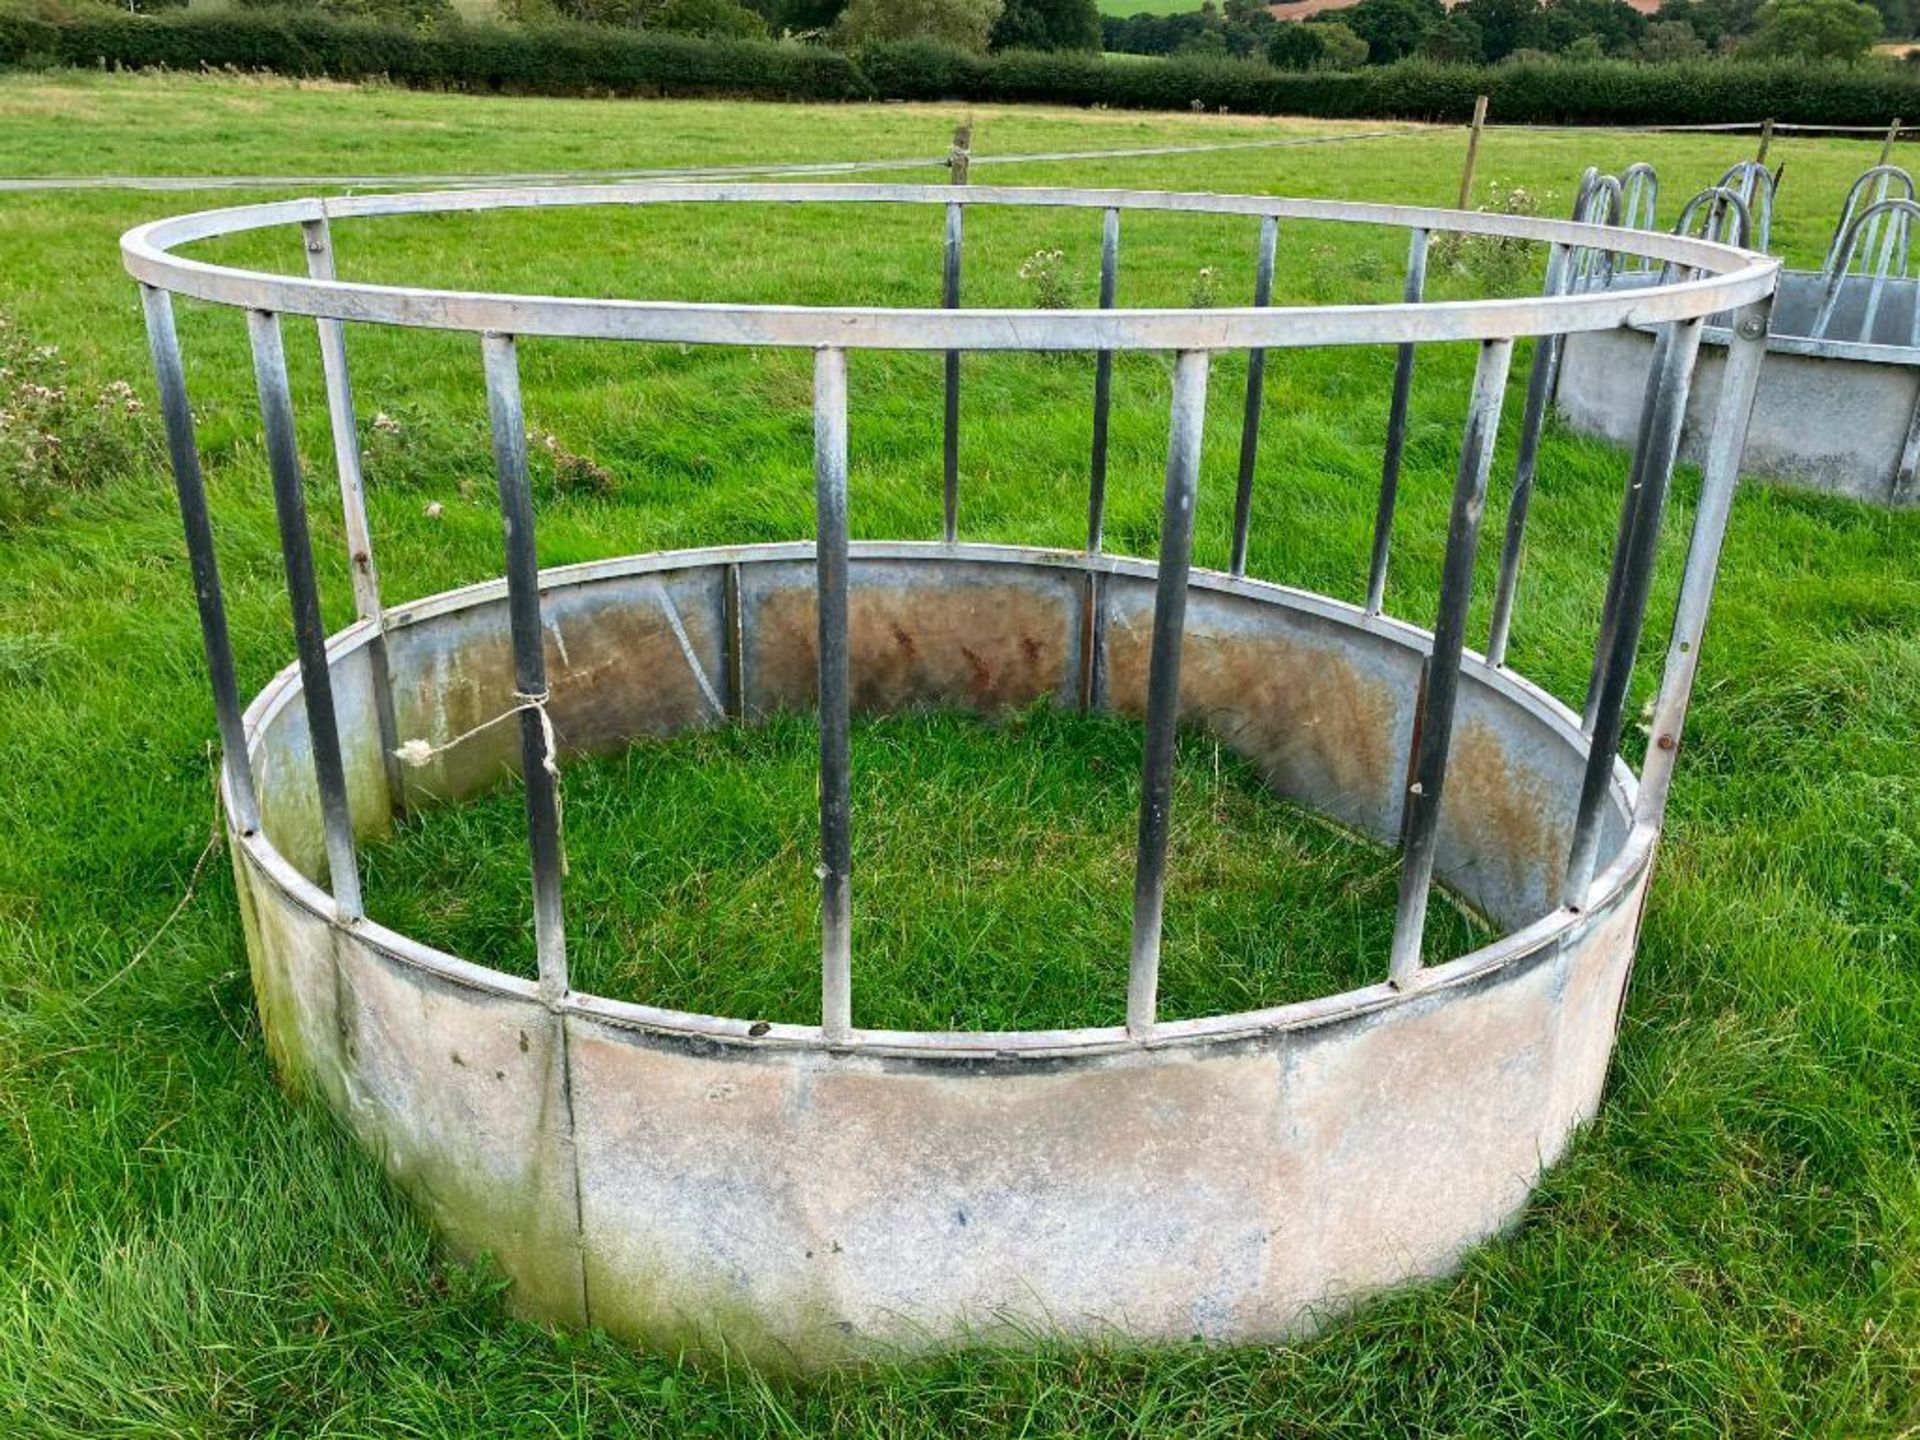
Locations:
{"points": [[353, 504], [1396, 433], [191, 491], [538, 752], [1740, 380], [1661, 444], [836, 805], [1657, 369], [1256, 392], [1440, 680], [1163, 687], [309, 632], [1103, 386], [1093, 637], [1539, 380], [950, 299]]}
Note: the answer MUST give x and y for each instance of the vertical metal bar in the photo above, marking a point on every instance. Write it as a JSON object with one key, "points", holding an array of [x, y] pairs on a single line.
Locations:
{"points": [[529, 658], [1574, 264], [1879, 256], [1440, 682], [1539, 378], [1256, 392], [191, 491], [353, 504], [950, 299], [1740, 380], [1092, 641], [1396, 433], [1093, 636], [1102, 386], [309, 632], [1163, 686], [346, 431], [1907, 467], [1662, 445], [830, 559], [1629, 508], [733, 622]]}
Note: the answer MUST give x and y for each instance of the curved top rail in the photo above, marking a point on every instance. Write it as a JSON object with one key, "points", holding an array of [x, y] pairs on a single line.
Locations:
{"points": [[1723, 278], [1640, 193], [1885, 180], [1600, 202], [1899, 216], [1755, 184], [1722, 206]]}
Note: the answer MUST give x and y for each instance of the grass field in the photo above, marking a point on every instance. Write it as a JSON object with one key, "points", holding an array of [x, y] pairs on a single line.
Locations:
{"points": [[1147, 7], [1733, 1247]]}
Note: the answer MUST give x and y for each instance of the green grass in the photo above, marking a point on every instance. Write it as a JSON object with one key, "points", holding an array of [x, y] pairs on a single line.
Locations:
{"points": [[990, 860], [1731, 1249], [1147, 7]]}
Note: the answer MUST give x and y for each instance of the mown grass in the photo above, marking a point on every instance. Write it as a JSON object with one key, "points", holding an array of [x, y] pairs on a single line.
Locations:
{"points": [[1730, 1250]]}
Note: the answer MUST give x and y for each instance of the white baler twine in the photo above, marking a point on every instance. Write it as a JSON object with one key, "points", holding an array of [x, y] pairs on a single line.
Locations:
{"points": [[418, 752]]}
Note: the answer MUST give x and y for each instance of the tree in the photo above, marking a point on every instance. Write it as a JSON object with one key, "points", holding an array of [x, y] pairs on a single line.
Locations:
{"points": [[1248, 26], [1615, 26], [1454, 41], [1896, 18], [1841, 30], [1393, 29], [1047, 25], [1505, 25], [965, 24], [1716, 22], [1340, 47], [714, 18], [1670, 40], [804, 17], [1294, 46]]}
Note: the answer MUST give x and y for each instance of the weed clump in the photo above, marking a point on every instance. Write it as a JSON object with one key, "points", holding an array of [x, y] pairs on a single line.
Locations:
{"points": [[57, 439], [1497, 262], [1048, 279]]}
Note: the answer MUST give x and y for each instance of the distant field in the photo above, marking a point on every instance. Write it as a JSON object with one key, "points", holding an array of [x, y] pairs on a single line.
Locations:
{"points": [[1147, 7]]}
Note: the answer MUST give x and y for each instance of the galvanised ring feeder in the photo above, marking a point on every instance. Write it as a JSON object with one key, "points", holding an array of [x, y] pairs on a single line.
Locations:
{"points": [[1839, 404], [807, 1193]]}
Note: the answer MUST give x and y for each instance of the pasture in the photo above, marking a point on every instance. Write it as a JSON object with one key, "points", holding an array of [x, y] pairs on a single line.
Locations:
{"points": [[1733, 1248]]}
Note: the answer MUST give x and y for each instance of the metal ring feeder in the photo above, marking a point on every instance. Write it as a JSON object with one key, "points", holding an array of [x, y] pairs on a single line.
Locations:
{"points": [[807, 1193], [1839, 406]]}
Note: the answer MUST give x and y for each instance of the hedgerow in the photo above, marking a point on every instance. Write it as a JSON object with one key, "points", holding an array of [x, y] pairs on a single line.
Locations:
{"points": [[540, 60], [585, 60]]}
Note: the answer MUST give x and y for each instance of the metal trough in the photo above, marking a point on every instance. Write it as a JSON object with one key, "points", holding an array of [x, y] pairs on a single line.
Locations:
{"points": [[1839, 402], [811, 1192]]}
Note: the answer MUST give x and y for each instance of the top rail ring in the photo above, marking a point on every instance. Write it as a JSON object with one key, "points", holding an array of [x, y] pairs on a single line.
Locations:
{"points": [[1725, 278]]}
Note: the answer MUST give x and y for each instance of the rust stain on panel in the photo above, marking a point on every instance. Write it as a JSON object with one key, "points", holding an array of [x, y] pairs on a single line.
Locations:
{"points": [[1317, 725], [616, 670], [624, 673], [985, 647], [1499, 816]]}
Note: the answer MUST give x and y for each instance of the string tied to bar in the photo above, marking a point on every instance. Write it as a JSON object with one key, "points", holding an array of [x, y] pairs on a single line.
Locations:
{"points": [[418, 753]]}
